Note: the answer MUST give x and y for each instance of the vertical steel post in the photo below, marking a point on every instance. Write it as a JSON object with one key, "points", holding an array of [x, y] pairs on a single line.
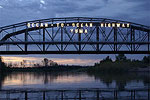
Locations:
{"points": [[148, 40], [97, 37], [148, 94], [26, 39], [26, 95], [80, 95], [79, 39], [52, 31], [133, 33], [7, 47], [98, 95], [115, 38], [131, 95], [43, 95], [61, 38], [131, 38], [44, 39], [8, 95], [134, 94], [115, 95], [62, 95]]}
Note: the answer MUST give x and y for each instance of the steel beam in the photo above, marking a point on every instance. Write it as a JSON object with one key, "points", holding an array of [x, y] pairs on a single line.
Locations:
{"points": [[73, 42], [97, 37], [43, 39], [71, 52]]}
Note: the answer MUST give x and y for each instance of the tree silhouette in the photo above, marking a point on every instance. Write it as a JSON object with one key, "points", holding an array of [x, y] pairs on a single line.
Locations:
{"points": [[2, 65], [45, 62], [146, 59], [121, 57]]}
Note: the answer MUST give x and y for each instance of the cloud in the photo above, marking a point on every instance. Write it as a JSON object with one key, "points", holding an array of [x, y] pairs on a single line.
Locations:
{"points": [[42, 1], [22, 10], [1, 7]]}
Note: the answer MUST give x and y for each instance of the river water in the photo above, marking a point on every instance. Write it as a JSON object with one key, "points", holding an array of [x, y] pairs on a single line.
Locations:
{"points": [[73, 80], [73, 85]]}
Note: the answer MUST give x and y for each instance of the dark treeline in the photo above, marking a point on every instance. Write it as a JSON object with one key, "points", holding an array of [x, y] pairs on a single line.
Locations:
{"points": [[44, 65], [46, 69], [121, 64]]}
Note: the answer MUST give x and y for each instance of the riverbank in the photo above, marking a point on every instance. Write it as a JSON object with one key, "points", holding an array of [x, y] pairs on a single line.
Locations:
{"points": [[47, 69], [119, 67], [90, 70], [107, 65]]}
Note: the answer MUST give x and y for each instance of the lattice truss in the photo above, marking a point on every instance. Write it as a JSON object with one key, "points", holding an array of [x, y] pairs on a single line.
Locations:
{"points": [[75, 35]]}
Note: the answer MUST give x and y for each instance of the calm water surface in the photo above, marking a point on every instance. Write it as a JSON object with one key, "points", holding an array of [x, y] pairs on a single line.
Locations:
{"points": [[72, 80]]}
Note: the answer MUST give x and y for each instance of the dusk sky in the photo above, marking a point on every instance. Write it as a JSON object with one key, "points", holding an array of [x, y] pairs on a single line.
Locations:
{"points": [[16, 11]]}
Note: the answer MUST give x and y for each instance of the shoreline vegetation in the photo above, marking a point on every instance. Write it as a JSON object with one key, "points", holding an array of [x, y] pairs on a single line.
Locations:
{"points": [[107, 65], [121, 65]]}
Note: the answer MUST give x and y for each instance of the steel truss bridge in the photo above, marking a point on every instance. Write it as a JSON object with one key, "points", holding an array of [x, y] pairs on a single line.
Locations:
{"points": [[63, 36]]}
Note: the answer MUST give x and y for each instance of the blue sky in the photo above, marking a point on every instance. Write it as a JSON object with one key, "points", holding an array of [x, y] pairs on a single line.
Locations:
{"points": [[15, 11]]}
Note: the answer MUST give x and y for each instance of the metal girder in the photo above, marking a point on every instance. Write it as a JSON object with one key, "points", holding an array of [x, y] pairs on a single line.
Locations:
{"points": [[72, 52], [98, 40], [72, 42]]}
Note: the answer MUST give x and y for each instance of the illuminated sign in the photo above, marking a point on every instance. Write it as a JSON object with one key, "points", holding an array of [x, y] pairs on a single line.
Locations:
{"points": [[79, 27]]}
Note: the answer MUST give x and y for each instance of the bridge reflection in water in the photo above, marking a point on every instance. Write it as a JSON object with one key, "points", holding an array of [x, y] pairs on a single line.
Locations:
{"points": [[75, 35], [83, 94]]}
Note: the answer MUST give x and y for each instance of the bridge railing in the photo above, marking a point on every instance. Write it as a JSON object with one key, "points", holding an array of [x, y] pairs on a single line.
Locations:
{"points": [[82, 94]]}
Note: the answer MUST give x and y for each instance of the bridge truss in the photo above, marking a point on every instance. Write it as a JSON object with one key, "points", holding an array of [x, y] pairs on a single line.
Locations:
{"points": [[75, 35]]}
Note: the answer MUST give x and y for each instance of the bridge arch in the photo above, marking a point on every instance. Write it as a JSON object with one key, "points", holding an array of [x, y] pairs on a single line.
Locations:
{"points": [[101, 35]]}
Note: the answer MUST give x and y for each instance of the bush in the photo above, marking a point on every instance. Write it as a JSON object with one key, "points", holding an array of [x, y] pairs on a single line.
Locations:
{"points": [[2, 65], [121, 64]]}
